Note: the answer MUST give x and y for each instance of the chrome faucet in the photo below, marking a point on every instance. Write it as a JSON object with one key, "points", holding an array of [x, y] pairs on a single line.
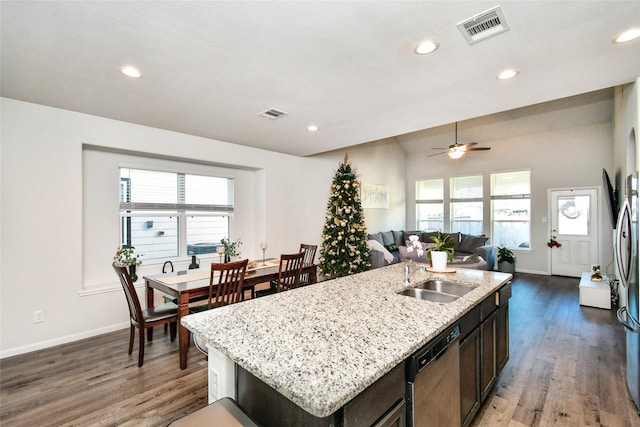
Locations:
{"points": [[408, 273]]}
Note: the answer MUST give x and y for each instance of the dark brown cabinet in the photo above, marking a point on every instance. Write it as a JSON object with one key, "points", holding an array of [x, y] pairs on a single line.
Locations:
{"points": [[469, 376], [484, 350]]}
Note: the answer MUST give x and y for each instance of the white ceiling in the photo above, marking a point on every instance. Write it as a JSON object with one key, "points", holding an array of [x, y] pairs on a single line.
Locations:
{"points": [[210, 67]]}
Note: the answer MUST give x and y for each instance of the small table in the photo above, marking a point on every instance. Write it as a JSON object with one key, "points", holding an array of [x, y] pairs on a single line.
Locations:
{"points": [[594, 294], [193, 285]]}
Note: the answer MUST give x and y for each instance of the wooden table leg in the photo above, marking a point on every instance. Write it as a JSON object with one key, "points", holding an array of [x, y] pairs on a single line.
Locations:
{"points": [[150, 304], [183, 333]]}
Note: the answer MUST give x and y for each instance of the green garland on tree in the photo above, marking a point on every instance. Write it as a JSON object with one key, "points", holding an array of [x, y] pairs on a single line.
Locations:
{"points": [[344, 249]]}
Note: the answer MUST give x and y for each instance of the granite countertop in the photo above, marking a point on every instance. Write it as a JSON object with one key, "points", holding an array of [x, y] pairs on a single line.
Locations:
{"points": [[322, 345]]}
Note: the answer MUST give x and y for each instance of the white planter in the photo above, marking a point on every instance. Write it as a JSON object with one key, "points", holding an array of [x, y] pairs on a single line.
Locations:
{"points": [[439, 260]]}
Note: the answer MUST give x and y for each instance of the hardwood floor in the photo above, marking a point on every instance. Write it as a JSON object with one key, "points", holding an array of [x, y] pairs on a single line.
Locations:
{"points": [[566, 368], [566, 364]]}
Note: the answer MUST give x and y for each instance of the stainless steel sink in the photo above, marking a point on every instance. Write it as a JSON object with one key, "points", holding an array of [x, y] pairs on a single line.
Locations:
{"points": [[429, 295], [445, 286], [438, 290]]}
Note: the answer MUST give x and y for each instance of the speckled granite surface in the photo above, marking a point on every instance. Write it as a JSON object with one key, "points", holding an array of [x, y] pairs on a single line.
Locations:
{"points": [[322, 345]]}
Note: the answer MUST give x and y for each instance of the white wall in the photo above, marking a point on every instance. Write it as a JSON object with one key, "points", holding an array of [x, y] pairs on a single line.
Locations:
{"points": [[381, 163], [42, 216]]}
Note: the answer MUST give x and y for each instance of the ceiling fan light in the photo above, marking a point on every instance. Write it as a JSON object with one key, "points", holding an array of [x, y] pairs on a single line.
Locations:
{"points": [[628, 35], [456, 154]]}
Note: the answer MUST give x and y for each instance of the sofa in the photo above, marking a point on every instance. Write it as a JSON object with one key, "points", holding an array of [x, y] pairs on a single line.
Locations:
{"points": [[389, 247]]}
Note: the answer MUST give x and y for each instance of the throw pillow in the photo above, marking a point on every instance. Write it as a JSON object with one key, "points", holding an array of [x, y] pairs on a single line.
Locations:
{"points": [[387, 238], [392, 247], [375, 245], [470, 243]]}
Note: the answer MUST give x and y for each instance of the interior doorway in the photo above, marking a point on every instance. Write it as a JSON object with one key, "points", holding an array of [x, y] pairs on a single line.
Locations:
{"points": [[574, 226]]}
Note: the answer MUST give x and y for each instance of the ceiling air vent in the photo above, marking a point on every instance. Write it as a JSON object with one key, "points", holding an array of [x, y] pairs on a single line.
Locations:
{"points": [[272, 113], [483, 25]]}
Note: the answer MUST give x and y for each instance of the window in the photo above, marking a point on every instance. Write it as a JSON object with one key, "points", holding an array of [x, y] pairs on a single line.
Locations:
{"points": [[511, 208], [466, 204], [430, 204], [168, 214]]}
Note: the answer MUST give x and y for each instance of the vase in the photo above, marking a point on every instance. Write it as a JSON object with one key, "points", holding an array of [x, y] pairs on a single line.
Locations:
{"points": [[132, 273], [439, 260], [227, 258]]}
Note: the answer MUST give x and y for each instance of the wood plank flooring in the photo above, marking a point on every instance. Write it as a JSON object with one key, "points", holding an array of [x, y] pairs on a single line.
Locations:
{"points": [[566, 364], [566, 368]]}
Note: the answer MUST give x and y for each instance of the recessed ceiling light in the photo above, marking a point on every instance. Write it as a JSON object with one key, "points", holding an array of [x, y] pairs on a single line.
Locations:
{"points": [[628, 35], [312, 128], [426, 47], [132, 72], [507, 74]]}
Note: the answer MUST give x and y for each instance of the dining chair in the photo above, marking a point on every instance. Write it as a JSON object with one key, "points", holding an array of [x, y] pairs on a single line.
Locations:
{"points": [[147, 318], [225, 285], [288, 274], [309, 257], [228, 280]]}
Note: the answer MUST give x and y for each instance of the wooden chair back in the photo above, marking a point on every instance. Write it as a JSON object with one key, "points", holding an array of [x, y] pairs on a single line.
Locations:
{"points": [[135, 309], [228, 286], [289, 273], [309, 257]]}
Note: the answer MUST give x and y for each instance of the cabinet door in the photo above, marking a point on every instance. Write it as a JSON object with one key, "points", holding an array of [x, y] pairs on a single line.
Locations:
{"points": [[503, 337], [488, 364], [469, 377], [397, 417]]}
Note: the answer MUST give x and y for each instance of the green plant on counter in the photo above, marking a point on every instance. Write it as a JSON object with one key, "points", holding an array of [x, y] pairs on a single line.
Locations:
{"points": [[443, 243]]}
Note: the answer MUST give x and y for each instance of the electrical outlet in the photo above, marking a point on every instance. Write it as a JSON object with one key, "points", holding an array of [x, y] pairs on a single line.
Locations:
{"points": [[38, 316]]}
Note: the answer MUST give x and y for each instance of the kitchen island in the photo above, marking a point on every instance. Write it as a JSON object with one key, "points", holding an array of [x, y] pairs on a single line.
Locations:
{"points": [[323, 345]]}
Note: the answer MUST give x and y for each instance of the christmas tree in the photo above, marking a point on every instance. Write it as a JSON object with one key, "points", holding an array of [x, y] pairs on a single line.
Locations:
{"points": [[344, 249]]}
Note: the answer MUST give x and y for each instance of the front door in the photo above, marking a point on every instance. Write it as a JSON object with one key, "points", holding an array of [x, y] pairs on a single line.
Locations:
{"points": [[574, 225]]}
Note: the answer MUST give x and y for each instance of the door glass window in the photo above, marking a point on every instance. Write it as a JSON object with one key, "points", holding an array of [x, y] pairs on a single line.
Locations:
{"points": [[573, 215]]}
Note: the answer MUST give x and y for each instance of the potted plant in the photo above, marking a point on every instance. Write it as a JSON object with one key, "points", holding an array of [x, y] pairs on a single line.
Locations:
{"points": [[231, 249], [125, 257], [441, 252], [506, 260]]}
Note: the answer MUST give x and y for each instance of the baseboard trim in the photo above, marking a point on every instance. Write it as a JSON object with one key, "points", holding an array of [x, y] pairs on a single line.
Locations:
{"points": [[61, 340]]}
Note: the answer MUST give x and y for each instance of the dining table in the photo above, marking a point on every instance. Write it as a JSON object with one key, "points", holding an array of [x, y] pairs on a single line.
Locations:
{"points": [[193, 285]]}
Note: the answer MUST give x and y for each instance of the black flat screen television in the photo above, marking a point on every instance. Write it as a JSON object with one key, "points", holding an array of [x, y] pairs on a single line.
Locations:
{"points": [[612, 198]]}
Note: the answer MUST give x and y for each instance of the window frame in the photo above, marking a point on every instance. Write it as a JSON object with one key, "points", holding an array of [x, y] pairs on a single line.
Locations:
{"points": [[513, 196], [181, 209], [420, 202], [453, 200]]}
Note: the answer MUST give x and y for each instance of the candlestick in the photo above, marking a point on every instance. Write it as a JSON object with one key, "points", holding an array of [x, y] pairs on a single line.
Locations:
{"points": [[263, 246], [220, 251]]}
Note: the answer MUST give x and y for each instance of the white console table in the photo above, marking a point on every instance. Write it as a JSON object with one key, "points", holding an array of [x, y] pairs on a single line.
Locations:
{"points": [[594, 294]]}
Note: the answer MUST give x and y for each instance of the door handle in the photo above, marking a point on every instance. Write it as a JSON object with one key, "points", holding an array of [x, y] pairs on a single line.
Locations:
{"points": [[627, 321]]}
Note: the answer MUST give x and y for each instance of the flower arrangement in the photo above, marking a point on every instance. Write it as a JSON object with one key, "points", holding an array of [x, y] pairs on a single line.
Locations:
{"points": [[125, 257], [415, 245], [231, 248]]}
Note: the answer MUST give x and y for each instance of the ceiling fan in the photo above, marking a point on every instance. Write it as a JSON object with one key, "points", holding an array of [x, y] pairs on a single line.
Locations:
{"points": [[457, 150]]}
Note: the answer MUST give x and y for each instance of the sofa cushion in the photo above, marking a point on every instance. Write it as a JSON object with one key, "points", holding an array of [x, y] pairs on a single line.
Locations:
{"points": [[392, 247], [387, 238], [377, 237], [375, 245], [469, 243], [398, 237]]}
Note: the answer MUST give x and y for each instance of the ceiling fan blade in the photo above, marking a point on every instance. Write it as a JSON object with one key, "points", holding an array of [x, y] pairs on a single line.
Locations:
{"points": [[437, 154], [479, 149]]}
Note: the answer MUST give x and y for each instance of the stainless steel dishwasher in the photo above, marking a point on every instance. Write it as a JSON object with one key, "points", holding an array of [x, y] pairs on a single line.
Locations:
{"points": [[433, 382]]}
